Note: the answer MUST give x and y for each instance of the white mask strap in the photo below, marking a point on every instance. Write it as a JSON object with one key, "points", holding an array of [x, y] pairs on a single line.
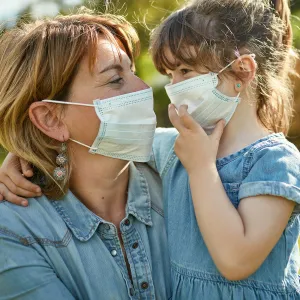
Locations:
{"points": [[73, 103], [227, 67], [69, 103], [238, 97], [82, 144], [252, 55]]}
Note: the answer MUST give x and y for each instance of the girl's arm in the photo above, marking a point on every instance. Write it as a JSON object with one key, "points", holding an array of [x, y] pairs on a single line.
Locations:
{"points": [[238, 240], [13, 183]]}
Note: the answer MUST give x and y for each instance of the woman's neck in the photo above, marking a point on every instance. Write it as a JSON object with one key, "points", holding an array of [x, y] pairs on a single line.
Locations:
{"points": [[100, 183], [243, 129]]}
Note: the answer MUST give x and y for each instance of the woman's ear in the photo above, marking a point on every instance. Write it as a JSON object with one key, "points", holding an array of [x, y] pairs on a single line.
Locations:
{"points": [[245, 69], [48, 120]]}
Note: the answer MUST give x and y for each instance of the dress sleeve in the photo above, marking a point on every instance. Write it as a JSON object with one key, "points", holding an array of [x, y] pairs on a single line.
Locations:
{"points": [[273, 171], [25, 274], [163, 148]]}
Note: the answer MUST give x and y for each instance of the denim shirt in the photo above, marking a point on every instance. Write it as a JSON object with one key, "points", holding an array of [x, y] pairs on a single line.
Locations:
{"points": [[270, 166], [60, 250]]}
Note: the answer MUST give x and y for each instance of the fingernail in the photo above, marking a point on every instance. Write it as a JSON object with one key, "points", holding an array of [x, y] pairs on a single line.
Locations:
{"points": [[24, 203], [38, 190]]}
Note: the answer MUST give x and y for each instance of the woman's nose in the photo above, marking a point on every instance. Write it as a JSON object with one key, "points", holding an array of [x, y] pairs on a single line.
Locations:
{"points": [[140, 84]]}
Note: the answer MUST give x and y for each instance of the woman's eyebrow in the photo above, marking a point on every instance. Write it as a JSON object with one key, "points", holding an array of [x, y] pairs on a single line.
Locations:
{"points": [[117, 67]]}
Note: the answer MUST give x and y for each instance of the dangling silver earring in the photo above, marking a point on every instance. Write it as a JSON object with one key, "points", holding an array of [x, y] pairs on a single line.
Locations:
{"points": [[60, 172]]}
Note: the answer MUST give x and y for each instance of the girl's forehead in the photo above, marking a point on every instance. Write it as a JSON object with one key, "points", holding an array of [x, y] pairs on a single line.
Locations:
{"points": [[186, 52]]}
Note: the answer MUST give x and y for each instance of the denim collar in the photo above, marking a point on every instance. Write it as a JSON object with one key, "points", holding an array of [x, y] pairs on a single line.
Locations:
{"points": [[83, 223]]}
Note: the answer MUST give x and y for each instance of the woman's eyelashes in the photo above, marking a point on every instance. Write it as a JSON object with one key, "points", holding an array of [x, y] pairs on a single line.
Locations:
{"points": [[119, 81]]}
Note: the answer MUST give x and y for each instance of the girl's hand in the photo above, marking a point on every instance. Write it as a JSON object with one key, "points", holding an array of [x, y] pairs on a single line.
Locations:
{"points": [[13, 184], [193, 146]]}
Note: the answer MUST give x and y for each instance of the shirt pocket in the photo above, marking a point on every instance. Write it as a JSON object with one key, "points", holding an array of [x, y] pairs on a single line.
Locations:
{"points": [[232, 191]]}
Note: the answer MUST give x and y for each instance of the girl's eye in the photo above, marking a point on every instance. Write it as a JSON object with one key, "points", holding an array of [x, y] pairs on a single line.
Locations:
{"points": [[117, 81], [185, 71]]}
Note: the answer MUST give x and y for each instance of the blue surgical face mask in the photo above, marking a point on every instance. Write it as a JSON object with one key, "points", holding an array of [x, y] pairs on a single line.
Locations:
{"points": [[206, 103], [127, 126]]}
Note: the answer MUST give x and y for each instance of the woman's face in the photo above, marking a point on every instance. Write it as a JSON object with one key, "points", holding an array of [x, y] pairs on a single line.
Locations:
{"points": [[111, 77]]}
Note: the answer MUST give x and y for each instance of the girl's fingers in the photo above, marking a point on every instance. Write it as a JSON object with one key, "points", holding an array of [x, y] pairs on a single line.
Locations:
{"points": [[17, 190], [186, 119], [7, 195], [26, 168], [175, 119], [23, 183], [218, 131]]}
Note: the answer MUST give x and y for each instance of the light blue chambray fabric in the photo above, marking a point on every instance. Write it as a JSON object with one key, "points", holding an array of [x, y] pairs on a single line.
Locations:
{"points": [[271, 166], [60, 250]]}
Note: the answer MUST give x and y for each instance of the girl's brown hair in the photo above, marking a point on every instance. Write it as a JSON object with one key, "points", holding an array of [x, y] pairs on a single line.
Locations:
{"points": [[212, 33], [39, 61]]}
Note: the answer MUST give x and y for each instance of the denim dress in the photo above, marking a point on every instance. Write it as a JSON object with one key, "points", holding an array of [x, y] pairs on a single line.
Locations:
{"points": [[60, 250], [270, 166]]}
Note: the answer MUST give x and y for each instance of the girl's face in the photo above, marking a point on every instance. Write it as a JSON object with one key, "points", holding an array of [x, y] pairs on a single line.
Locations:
{"points": [[183, 72]]}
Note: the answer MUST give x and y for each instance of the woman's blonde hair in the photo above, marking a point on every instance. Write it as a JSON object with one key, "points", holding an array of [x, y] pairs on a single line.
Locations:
{"points": [[39, 61], [220, 30]]}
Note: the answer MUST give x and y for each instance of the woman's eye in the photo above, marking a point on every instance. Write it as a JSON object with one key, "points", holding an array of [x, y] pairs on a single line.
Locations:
{"points": [[117, 81]]}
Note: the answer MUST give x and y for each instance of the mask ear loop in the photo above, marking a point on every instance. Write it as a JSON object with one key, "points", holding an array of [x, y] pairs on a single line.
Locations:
{"points": [[73, 103], [252, 55], [82, 144], [226, 67], [238, 96], [69, 103]]}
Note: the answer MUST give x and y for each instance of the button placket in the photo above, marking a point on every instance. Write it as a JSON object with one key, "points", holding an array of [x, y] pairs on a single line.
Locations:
{"points": [[139, 264]]}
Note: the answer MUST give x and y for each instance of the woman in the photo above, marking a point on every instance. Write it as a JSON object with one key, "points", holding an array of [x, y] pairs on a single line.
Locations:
{"points": [[98, 230]]}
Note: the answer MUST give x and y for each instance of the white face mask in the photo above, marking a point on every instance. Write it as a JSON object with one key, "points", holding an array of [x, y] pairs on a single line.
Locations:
{"points": [[206, 104], [127, 126]]}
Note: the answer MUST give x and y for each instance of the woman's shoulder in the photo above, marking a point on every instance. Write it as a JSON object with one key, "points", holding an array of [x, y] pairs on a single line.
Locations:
{"points": [[39, 220]]}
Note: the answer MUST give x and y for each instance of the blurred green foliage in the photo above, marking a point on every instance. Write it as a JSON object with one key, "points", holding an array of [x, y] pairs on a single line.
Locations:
{"points": [[145, 15]]}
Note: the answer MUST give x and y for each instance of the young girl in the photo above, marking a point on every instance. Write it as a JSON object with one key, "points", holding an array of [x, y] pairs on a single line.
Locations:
{"points": [[231, 198]]}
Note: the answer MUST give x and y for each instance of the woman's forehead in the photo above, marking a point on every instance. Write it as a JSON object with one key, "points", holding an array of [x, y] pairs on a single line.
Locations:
{"points": [[107, 53]]}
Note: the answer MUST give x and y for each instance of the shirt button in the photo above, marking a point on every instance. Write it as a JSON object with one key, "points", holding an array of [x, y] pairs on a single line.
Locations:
{"points": [[131, 291], [135, 245], [114, 253], [106, 226], [144, 285], [127, 222]]}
